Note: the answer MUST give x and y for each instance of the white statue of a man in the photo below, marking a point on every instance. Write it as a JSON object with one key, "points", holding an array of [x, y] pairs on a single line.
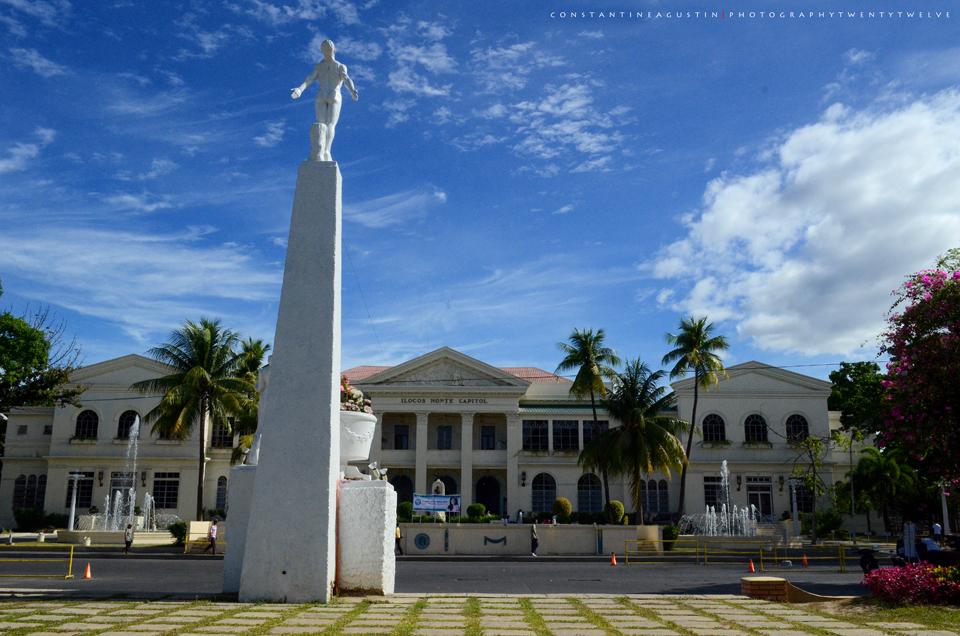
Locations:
{"points": [[329, 75]]}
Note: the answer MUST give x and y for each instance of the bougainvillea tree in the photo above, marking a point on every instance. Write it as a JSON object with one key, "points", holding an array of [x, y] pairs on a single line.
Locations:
{"points": [[922, 409]]}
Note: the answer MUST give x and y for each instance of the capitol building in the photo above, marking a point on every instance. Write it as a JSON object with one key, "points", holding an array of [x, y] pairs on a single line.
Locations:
{"points": [[505, 437]]}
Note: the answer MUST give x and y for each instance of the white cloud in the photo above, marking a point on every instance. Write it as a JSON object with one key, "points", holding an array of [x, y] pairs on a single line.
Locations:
{"points": [[591, 35], [395, 209], [857, 56], [565, 209], [35, 61], [51, 13], [507, 67], [802, 254], [273, 135], [21, 153], [147, 283], [137, 202], [494, 111], [407, 80], [279, 14]]}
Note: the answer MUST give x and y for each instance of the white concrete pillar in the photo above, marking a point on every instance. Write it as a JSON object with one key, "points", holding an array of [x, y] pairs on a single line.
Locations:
{"points": [[420, 481], [368, 519], [466, 461], [376, 450], [550, 436], [290, 554], [240, 494], [580, 425], [515, 498]]}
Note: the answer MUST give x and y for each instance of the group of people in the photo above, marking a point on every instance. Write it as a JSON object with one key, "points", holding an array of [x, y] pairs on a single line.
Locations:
{"points": [[211, 538]]}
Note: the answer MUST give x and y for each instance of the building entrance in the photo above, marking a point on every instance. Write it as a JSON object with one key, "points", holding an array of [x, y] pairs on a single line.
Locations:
{"points": [[488, 493]]}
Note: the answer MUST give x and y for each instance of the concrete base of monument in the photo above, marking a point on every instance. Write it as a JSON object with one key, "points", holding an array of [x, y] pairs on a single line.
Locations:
{"points": [[367, 518], [515, 540], [240, 497]]}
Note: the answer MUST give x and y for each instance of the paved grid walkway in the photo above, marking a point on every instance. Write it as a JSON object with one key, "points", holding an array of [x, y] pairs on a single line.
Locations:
{"points": [[418, 615]]}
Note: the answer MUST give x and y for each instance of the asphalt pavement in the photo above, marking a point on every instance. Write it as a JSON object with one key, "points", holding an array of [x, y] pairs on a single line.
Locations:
{"points": [[202, 578]]}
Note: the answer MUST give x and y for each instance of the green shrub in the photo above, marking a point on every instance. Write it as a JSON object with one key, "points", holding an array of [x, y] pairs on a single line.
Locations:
{"points": [[828, 522], [670, 534], [476, 510], [55, 520], [563, 509], [614, 511], [29, 519], [405, 510], [178, 529]]}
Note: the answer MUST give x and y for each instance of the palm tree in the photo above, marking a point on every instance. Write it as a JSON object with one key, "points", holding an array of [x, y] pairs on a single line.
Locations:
{"points": [[695, 349], [593, 362], [884, 479], [646, 440], [207, 384], [252, 354]]}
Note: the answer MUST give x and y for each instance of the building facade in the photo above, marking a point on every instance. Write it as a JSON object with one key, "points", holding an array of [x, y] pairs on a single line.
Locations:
{"points": [[505, 437], [44, 445]]}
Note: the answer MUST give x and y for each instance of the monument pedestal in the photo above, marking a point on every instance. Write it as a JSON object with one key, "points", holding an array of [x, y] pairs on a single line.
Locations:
{"points": [[289, 552], [368, 521], [240, 496]]}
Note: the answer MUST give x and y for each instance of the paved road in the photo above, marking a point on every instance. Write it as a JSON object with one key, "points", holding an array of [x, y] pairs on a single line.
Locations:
{"points": [[197, 578]]}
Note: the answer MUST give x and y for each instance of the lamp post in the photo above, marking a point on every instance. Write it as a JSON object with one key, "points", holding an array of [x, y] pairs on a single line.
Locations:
{"points": [[945, 510], [75, 477], [793, 506]]}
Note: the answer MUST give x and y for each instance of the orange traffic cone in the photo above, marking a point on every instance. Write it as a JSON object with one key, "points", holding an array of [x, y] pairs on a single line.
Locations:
{"points": [[613, 558], [86, 572], [752, 567], [804, 561]]}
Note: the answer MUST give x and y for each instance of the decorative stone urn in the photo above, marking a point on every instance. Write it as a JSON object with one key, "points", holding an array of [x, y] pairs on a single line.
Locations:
{"points": [[356, 437]]}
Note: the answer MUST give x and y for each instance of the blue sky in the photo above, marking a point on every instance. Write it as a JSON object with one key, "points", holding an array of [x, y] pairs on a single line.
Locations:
{"points": [[508, 175]]}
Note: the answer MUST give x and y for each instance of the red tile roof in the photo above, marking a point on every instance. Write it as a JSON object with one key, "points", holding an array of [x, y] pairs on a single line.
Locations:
{"points": [[530, 374]]}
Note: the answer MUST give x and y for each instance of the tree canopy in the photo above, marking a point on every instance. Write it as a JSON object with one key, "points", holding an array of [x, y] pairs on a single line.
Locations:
{"points": [[922, 406], [858, 394]]}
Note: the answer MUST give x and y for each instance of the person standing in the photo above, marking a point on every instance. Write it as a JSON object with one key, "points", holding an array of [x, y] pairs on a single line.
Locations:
{"points": [[938, 533], [397, 546], [127, 538], [534, 540], [212, 536]]}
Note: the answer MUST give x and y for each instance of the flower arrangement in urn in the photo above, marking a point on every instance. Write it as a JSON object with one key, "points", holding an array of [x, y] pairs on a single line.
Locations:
{"points": [[352, 399]]}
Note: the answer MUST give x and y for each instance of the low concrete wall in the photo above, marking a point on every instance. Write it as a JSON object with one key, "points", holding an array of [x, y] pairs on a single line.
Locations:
{"points": [[140, 538], [515, 540]]}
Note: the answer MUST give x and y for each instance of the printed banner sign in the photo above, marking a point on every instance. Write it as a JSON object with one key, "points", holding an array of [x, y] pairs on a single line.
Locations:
{"points": [[436, 503]]}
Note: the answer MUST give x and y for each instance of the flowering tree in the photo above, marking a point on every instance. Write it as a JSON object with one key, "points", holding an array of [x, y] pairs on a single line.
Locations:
{"points": [[922, 410]]}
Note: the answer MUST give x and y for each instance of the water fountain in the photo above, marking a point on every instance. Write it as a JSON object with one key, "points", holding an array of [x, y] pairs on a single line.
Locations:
{"points": [[724, 519], [120, 505]]}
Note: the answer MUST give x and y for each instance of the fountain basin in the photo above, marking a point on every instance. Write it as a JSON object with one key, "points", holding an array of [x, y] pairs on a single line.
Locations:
{"points": [[356, 436]]}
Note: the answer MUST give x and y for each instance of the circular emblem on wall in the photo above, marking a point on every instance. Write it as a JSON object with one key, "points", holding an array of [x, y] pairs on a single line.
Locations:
{"points": [[422, 541]]}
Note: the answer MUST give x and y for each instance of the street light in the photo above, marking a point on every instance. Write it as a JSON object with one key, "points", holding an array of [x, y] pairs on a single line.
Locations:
{"points": [[75, 477]]}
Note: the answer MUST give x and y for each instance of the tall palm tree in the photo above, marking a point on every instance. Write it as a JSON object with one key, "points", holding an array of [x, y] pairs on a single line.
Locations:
{"points": [[885, 479], [252, 354], [646, 440], [694, 349], [586, 353], [207, 384]]}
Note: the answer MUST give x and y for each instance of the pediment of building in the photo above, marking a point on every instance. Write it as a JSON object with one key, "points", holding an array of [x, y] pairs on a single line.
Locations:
{"points": [[444, 368], [122, 371], [759, 378]]}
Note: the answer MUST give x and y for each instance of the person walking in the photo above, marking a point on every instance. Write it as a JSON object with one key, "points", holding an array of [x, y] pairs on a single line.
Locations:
{"points": [[534, 540], [212, 536], [127, 539], [397, 546]]}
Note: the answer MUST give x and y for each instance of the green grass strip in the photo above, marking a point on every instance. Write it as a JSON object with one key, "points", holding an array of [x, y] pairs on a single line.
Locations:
{"points": [[409, 621], [533, 618], [472, 613], [650, 614], [594, 618]]}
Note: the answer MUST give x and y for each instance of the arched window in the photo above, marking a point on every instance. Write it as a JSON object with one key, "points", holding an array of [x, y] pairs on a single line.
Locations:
{"points": [[797, 428], [663, 506], [589, 494], [449, 485], [221, 493], [87, 423], [222, 435], [404, 487], [41, 491], [755, 428], [714, 429], [125, 424], [31, 493], [544, 492], [19, 492]]}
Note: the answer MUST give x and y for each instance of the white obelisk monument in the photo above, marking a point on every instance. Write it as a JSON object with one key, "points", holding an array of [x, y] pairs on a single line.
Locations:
{"points": [[289, 549]]}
